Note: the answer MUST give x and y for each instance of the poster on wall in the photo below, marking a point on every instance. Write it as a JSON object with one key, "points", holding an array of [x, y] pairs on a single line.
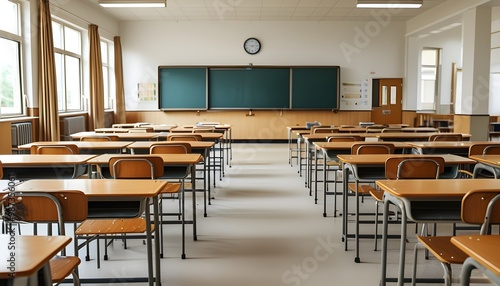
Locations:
{"points": [[146, 91], [356, 95]]}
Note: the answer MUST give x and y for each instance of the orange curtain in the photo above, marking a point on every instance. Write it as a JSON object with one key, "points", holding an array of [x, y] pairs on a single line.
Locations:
{"points": [[96, 110], [120, 116], [47, 84]]}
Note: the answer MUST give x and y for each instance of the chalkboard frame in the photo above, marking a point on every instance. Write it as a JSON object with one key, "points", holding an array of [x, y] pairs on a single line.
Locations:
{"points": [[205, 97]]}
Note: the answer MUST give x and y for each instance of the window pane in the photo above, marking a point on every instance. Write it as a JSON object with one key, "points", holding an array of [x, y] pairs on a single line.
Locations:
{"points": [[72, 41], [104, 52], [429, 73], [60, 81], [57, 35], [428, 91], [105, 78], [9, 17], [429, 57], [10, 80], [73, 90]]}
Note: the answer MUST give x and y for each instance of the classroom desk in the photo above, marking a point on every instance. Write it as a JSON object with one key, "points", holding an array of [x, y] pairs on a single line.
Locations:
{"points": [[26, 166], [446, 147], [112, 130], [159, 127], [419, 129], [368, 169], [86, 147], [32, 256], [426, 201], [412, 136], [101, 193], [197, 147], [356, 129], [483, 253], [291, 130], [186, 160], [135, 136], [490, 160], [329, 152]]}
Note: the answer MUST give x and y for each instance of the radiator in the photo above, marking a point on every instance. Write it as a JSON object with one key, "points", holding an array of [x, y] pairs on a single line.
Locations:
{"points": [[73, 125], [21, 133]]}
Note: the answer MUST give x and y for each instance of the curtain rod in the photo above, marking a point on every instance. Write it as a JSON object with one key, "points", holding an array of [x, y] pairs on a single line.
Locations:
{"points": [[58, 8]]}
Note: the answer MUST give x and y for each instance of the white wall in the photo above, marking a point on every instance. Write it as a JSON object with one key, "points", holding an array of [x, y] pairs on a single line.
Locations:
{"points": [[361, 49]]}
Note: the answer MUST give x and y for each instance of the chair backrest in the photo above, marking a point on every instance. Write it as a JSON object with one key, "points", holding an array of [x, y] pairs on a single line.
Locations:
{"points": [[170, 148], [376, 128], [392, 130], [325, 130], [414, 167], [184, 137], [136, 167], [100, 138], [141, 130], [479, 207], [352, 138], [492, 149], [375, 148], [203, 129], [55, 149], [446, 137], [50, 206]]}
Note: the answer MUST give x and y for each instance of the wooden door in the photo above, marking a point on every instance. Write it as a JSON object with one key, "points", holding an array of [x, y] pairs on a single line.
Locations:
{"points": [[387, 100]]}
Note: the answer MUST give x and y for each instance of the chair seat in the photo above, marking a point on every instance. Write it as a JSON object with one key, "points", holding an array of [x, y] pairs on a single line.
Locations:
{"points": [[442, 248], [362, 189], [171, 188], [377, 194], [62, 266], [112, 226]]}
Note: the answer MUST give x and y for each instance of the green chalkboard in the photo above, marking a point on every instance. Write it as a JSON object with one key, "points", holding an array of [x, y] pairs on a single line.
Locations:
{"points": [[182, 88], [315, 87], [249, 88]]}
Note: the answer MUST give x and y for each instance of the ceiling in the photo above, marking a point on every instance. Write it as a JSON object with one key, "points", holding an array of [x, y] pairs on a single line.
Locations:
{"points": [[260, 10]]}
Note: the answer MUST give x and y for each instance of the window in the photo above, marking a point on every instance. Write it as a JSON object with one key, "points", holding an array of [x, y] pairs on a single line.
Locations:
{"points": [[106, 76], [11, 93], [429, 71], [68, 58]]}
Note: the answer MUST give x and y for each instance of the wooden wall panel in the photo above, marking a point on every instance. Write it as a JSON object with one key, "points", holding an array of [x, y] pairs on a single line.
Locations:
{"points": [[263, 125]]}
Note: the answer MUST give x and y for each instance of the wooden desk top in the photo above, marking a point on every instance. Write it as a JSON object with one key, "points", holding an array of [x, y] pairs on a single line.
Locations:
{"points": [[448, 144], [111, 130], [83, 144], [413, 135], [348, 145], [168, 159], [483, 248], [298, 127], [204, 135], [11, 160], [31, 253], [419, 129], [412, 188], [95, 188], [487, 159], [122, 136], [194, 144], [379, 159]]}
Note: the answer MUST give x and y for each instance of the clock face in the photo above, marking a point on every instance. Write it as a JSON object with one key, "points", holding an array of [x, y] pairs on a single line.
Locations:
{"points": [[252, 46]]}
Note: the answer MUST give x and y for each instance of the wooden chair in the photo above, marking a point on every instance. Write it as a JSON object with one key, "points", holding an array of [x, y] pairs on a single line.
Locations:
{"points": [[184, 137], [63, 149], [446, 137], [335, 166], [53, 207], [54, 149], [141, 130], [203, 129], [406, 168], [376, 128], [373, 148], [478, 207], [123, 167], [325, 130], [100, 138], [392, 130], [482, 170]]}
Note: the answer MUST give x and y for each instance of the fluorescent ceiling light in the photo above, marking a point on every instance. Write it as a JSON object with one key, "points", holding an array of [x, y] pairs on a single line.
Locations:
{"points": [[389, 4], [133, 3]]}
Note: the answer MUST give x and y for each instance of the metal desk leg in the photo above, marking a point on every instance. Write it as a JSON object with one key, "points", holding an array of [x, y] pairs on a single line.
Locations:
{"points": [[193, 187]]}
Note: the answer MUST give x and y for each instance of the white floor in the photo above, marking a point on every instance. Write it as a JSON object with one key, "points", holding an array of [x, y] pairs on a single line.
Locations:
{"points": [[262, 229]]}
